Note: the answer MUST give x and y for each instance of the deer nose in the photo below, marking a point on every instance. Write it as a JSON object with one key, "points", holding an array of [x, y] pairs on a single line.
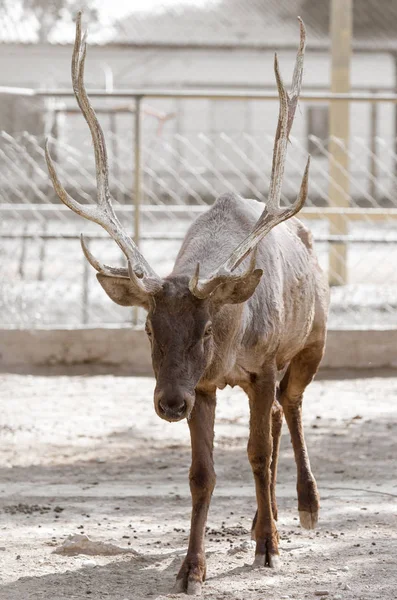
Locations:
{"points": [[173, 407], [174, 412]]}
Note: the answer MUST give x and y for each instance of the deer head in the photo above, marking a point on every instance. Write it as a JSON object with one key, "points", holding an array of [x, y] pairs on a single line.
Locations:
{"points": [[180, 309]]}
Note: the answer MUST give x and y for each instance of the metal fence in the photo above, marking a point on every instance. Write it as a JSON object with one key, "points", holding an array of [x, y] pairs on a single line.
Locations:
{"points": [[163, 175]]}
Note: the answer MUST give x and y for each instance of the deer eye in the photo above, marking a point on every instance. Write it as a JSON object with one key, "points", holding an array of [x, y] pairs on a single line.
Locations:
{"points": [[148, 330], [208, 330]]}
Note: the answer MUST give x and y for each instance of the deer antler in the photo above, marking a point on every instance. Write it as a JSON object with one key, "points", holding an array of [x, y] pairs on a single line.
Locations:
{"points": [[102, 213], [272, 214]]}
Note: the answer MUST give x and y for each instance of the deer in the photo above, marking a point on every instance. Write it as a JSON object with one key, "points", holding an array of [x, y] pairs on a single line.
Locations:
{"points": [[245, 305]]}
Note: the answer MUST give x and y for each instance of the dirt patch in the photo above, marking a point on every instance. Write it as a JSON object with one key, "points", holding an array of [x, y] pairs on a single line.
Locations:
{"points": [[86, 455], [82, 544], [26, 509]]}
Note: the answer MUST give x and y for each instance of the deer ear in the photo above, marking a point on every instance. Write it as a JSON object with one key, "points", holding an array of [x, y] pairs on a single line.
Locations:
{"points": [[123, 291], [237, 291]]}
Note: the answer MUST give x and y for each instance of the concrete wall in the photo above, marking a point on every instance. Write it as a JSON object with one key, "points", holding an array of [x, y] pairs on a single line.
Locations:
{"points": [[354, 349]]}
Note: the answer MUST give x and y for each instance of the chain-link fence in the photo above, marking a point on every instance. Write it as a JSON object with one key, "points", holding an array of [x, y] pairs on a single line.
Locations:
{"points": [[189, 150]]}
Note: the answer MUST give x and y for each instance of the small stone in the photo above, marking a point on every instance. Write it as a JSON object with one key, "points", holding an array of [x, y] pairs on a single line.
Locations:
{"points": [[337, 597], [346, 587], [321, 593], [346, 568], [88, 563]]}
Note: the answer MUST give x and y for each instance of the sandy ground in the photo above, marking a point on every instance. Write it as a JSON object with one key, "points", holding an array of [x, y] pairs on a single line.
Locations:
{"points": [[85, 453]]}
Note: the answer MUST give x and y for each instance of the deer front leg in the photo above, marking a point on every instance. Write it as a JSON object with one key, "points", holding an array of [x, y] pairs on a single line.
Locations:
{"points": [[202, 482], [260, 446], [277, 424]]}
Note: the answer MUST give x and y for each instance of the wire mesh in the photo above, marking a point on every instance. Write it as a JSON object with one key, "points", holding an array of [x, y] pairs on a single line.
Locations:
{"points": [[198, 153]]}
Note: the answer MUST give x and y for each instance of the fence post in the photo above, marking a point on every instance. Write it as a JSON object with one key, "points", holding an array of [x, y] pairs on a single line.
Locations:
{"points": [[339, 192], [394, 147], [42, 254], [138, 169], [115, 153], [85, 289], [373, 167], [137, 180], [22, 257]]}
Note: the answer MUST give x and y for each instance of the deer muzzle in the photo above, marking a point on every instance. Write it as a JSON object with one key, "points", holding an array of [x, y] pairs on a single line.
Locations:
{"points": [[173, 404]]}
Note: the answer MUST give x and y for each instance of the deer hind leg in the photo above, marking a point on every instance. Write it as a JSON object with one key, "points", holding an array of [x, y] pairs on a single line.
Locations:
{"points": [[300, 373], [277, 423], [261, 395], [202, 482]]}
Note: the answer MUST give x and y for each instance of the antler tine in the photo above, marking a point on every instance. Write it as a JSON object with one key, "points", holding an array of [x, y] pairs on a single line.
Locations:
{"points": [[98, 138], [101, 213], [88, 211], [280, 143], [297, 76], [201, 288], [99, 266], [288, 104], [272, 214], [265, 223]]}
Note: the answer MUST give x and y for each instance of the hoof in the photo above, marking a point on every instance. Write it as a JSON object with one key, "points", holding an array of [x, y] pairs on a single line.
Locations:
{"points": [[273, 561], [259, 561], [308, 520], [179, 587], [193, 588]]}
